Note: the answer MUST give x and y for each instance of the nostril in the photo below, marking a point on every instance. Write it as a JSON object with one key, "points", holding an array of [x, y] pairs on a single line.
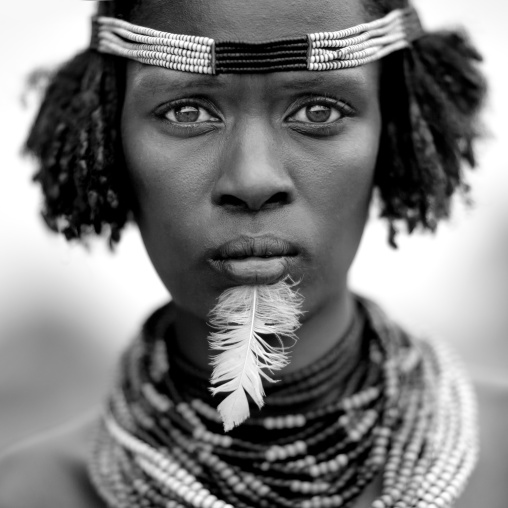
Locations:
{"points": [[279, 198], [233, 201]]}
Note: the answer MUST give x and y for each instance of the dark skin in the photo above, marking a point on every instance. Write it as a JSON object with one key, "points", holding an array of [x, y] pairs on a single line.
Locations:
{"points": [[253, 137], [253, 162]]}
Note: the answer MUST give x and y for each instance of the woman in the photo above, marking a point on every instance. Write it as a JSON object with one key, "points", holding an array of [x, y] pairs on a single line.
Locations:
{"points": [[249, 173]]}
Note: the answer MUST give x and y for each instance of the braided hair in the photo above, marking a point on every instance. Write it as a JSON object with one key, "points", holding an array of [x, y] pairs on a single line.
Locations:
{"points": [[430, 96]]}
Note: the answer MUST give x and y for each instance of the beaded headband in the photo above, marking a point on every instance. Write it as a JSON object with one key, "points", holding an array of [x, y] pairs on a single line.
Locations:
{"points": [[320, 51]]}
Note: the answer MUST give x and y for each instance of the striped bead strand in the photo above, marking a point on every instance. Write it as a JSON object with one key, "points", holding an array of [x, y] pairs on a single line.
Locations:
{"points": [[359, 45], [174, 51], [452, 469], [166, 471]]}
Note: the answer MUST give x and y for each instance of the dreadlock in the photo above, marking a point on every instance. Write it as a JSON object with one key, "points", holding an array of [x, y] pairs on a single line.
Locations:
{"points": [[75, 138], [430, 96]]}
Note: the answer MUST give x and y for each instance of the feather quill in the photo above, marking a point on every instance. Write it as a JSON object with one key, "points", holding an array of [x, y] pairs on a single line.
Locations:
{"points": [[240, 318]]}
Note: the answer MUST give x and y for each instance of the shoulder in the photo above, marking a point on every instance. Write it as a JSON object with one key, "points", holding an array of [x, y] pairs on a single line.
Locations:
{"points": [[488, 485], [49, 471], [493, 420]]}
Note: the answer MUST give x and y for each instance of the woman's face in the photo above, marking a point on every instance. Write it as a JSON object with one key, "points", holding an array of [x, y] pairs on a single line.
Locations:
{"points": [[229, 169]]}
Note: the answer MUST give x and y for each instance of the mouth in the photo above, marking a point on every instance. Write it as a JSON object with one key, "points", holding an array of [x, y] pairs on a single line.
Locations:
{"points": [[249, 260]]}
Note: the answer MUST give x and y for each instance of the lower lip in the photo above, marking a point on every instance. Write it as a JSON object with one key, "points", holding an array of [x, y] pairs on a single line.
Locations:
{"points": [[254, 270]]}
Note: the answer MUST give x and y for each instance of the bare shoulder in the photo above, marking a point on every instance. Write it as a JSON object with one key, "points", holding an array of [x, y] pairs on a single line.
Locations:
{"points": [[49, 471], [488, 485]]}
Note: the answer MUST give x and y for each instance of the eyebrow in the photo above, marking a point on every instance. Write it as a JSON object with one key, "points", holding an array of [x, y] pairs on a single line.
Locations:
{"points": [[301, 84], [160, 81], [346, 79], [156, 81]]}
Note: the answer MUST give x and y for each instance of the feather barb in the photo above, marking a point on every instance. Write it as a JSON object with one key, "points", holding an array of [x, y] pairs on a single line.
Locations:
{"points": [[241, 317]]}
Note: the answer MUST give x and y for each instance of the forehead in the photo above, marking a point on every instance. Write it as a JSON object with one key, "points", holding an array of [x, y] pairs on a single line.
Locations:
{"points": [[249, 20]]}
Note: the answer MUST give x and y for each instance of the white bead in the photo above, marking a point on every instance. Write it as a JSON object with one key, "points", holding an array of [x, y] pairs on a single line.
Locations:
{"points": [[198, 500], [208, 502]]}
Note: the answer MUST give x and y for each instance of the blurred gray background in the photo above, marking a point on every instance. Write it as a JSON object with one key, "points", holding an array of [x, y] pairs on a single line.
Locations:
{"points": [[67, 311]]}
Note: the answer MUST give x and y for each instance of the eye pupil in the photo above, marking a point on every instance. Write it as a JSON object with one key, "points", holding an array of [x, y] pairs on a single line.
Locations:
{"points": [[318, 113], [187, 114]]}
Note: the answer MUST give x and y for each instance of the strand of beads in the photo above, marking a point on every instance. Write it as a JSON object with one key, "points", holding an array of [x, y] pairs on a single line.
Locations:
{"points": [[299, 387], [317, 436], [437, 460], [351, 47], [178, 52], [454, 461], [409, 415], [312, 382], [244, 449], [362, 44]]}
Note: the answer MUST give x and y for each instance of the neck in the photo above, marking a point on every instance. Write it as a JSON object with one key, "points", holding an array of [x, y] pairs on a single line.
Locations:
{"points": [[319, 332]]}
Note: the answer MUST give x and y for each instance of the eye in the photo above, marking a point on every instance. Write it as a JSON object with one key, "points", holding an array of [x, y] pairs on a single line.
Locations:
{"points": [[317, 113], [189, 113]]}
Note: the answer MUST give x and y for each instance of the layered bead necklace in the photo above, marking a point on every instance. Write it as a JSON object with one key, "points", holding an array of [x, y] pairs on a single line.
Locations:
{"points": [[406, 415]]}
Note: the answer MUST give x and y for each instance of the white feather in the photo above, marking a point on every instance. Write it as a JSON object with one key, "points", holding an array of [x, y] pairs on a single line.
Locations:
{"points": [[242, 315]]}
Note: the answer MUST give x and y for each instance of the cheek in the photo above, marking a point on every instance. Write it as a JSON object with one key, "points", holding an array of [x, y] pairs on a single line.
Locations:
{"points": [[336, 179], [170, 177], [170, 184], [337, 175], [161, 174]]}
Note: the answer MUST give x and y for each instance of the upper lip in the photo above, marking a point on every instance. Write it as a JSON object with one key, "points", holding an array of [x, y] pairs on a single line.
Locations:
{"points": [[263, 247]]}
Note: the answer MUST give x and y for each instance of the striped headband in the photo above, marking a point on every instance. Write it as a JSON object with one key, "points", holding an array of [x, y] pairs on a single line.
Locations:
{"points": [[320, 51]]}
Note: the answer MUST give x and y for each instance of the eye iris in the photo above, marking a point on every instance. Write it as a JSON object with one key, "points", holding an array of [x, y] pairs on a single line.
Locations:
{"points": [[318, 113], [187, 114]]}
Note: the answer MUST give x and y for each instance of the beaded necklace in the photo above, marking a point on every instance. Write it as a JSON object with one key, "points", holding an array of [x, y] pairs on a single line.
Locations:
{"points": [[407, 415]]}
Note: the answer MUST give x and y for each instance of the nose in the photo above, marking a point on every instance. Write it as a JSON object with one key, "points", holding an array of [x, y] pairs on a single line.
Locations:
{"points": [[253, 176]]}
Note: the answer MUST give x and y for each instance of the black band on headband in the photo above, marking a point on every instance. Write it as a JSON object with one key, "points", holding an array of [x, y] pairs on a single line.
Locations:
{"points": [[236, 57]]}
